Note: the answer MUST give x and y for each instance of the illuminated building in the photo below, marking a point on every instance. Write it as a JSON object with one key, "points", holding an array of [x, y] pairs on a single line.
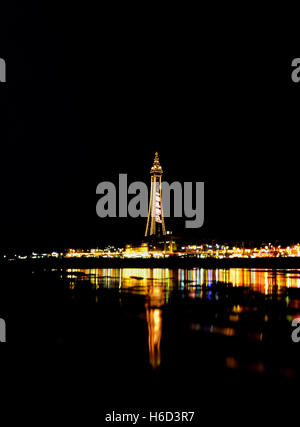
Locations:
{"points": [[137, 251], [155, 222]]}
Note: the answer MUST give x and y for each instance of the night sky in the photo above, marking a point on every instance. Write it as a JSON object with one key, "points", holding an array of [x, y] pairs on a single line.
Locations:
{"points": [[92, 94]]}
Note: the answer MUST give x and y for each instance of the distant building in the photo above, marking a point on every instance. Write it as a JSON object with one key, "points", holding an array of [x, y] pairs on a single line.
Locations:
{"points": [[136, 251]]}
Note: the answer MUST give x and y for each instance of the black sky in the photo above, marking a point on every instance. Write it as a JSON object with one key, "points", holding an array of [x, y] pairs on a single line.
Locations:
{"points": [[93, 93]]}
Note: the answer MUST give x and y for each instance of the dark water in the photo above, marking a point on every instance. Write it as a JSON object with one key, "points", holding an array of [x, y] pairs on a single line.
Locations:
{"points": [[198, 338], [235, 318]]}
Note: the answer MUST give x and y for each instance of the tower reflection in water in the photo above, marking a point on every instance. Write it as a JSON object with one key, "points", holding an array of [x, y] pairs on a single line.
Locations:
{"points": [[154, 320], [154, 284], [157, 285]]}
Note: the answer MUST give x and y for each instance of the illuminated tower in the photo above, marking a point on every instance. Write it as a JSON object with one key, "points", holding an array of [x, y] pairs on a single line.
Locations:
{"points": [[155, 222]]}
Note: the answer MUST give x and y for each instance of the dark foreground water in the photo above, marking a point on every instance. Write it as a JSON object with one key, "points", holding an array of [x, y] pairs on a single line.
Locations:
{"points": [[198, 337], [172, 310]]}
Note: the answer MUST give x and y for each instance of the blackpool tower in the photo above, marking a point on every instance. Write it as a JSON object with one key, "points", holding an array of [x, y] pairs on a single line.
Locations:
{"points": [[155, 222]]}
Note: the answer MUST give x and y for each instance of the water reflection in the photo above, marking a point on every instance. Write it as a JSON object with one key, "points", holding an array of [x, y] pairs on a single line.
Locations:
{"points": [[154, 300], [138, 280], [154, 320], [213, 286]]}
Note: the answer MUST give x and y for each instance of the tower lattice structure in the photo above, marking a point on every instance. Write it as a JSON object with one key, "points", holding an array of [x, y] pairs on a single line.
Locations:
{"points": [[155, 222]]}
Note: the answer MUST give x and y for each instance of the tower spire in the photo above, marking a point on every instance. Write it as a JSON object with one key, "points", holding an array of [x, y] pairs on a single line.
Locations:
{"points": [[156, 168]]}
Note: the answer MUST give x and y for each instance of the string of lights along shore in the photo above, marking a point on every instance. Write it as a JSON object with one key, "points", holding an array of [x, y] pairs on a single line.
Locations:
{"points": [[155, 222]]}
